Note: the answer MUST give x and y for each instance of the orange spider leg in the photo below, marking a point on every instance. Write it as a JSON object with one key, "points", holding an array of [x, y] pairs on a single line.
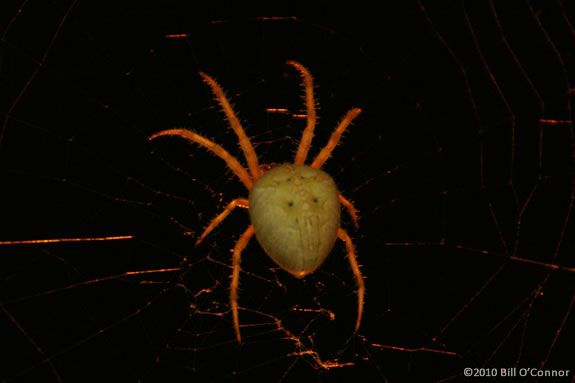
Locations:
{"points": [[239, 202], [356, 272], [351, 210], [335, 137], [307, 136], [231, 161], [237, 257], [245, 143]]}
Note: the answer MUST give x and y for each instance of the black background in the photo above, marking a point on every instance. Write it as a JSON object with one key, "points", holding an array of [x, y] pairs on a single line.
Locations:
{"points": [[466, 236]]}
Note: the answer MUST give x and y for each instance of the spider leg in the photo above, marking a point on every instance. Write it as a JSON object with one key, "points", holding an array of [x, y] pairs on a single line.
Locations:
{"points": [[237, 257], [231, 161], [307, 136], [335, 137], [356, 272], [239, 202], [245, 142], [351, 210]]}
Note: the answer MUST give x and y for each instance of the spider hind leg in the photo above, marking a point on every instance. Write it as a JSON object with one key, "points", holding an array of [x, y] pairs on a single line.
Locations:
{"points": [[236, 261], [356, 272]]}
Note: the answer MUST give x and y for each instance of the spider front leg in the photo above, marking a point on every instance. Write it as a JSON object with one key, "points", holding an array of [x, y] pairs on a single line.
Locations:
{"points": [[356, 272], [237, 257], [230, 160], [238, 202], [334, 138], [311, 116]]}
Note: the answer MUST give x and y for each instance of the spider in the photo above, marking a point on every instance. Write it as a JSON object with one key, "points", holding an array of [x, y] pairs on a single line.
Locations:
{"points": [[294, 208]]}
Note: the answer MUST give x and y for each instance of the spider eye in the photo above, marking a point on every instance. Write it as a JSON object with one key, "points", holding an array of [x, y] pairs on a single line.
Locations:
{"points": [[315, 199], [290, 203]]}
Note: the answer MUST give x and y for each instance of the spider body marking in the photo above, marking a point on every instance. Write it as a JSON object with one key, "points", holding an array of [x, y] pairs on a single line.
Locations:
{"points": [[294, 208]]}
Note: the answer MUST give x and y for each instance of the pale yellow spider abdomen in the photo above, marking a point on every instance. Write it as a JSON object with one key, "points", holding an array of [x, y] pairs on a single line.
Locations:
{"points": [[295, 212]]}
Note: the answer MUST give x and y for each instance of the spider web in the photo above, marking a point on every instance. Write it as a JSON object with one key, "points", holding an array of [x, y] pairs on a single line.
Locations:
{"points": [[462, 165]]}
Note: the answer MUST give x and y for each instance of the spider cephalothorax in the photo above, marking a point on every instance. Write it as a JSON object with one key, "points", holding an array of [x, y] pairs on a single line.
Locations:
{"points": [[294, 208]]}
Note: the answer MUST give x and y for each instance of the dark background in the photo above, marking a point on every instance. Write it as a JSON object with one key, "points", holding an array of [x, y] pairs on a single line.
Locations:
{"points": [[466, 196]]}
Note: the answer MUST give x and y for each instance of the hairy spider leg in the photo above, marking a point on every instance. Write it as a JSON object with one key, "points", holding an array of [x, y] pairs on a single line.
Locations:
{"points": [[237, 258], [230, 160], [351, 210], [356, 272], [307, 135], [234, 122], [238, 202], [335, 137]]}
